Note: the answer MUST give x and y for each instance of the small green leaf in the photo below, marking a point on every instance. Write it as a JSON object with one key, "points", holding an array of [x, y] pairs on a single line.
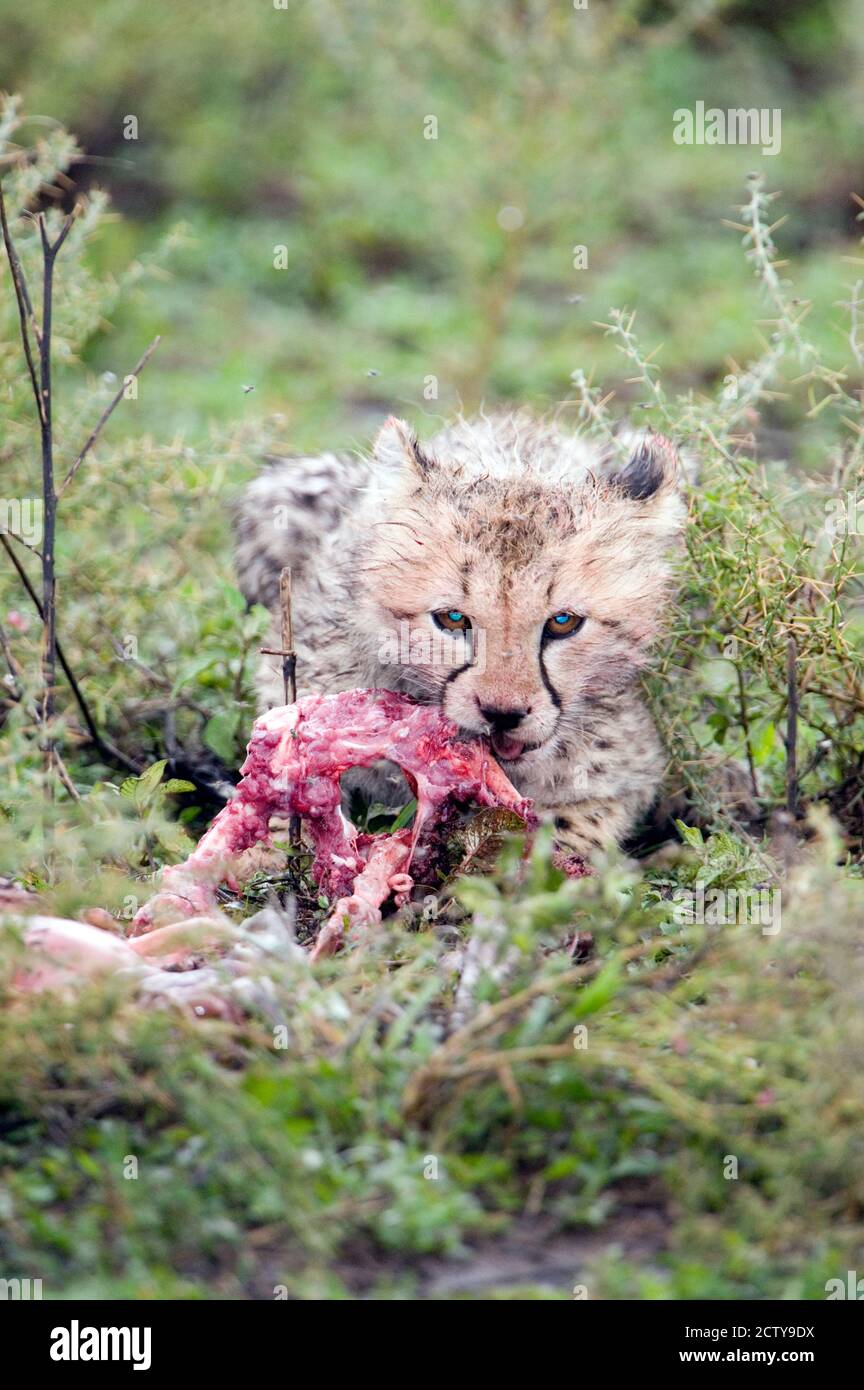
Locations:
{"points": [[190, 669], [404, 815], [174, 839], [762, 744], [719, 722], [598, 993], [232, 597], [219, 734], [690, 834], [149, 780]]}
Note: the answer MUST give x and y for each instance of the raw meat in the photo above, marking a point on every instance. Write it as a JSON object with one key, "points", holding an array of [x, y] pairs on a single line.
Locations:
{"points": [[295, 759], [165, 966]]}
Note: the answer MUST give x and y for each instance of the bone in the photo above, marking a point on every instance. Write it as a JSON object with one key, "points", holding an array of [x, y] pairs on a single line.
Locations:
{"points": [[372, 886], [295, 758]]}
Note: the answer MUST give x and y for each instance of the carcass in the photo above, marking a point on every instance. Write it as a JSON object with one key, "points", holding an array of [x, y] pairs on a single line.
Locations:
{"points": [[202, 964], [295, 759]]}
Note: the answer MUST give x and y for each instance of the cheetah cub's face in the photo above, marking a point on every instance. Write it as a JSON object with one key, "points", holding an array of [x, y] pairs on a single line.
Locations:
{"points": [[515, 590]]}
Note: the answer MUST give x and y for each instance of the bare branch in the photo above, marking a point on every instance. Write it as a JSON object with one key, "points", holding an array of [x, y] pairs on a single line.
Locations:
{"points": [[792, 729], [106, 415], [25, 308], [109, 752], [289, 667], [49, 500], [50, 248], [745, 725]]}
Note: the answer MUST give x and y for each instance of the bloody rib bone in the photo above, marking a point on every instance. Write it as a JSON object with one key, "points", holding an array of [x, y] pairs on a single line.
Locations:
{"points": [[295, 759]]}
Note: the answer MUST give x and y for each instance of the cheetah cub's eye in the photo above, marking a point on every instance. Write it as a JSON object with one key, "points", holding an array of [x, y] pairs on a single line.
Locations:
{"points": [[562, 625], [452, 620]]}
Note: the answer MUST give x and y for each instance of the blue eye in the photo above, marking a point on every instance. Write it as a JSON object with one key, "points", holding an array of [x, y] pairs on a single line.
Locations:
{"points": [[452, 620], [562, 624]]}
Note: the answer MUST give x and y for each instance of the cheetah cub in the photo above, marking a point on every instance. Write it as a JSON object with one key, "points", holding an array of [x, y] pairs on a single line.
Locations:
{"points": [[507, 572]]}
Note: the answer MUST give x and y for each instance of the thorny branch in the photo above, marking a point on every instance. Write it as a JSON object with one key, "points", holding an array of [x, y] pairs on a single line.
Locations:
{"points": [[40, 379], [109, 752]]}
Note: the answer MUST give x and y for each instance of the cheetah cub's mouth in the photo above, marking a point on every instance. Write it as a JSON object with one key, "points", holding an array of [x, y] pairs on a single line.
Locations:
{"points": [[508, 749]]}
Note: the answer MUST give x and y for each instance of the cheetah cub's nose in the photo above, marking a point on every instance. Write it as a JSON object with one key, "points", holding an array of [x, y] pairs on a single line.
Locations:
{"points": [[501, 720]]}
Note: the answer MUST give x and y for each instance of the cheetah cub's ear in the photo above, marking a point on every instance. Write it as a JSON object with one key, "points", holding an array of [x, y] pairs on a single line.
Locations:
{"points": [[653, 467], [397, 452], [651, 481]]}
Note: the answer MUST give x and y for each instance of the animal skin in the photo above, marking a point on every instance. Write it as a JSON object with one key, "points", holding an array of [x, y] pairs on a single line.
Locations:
{"points": [[555, 560]]}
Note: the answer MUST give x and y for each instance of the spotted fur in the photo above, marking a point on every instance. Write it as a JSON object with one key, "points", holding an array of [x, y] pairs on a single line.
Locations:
{"points": [[509, 520]]}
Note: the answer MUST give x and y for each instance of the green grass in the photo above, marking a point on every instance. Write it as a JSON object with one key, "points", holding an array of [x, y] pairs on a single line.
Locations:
{"points": [[257, 1166], [314, 370]]}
